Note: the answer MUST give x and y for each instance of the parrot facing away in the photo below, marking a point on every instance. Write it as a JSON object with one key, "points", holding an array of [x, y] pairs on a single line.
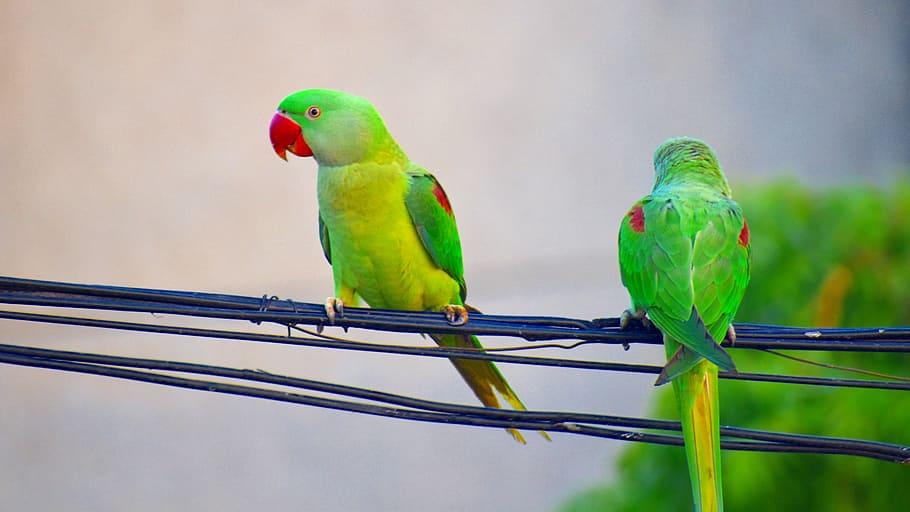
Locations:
{"points": [[385, 223], [685, 257]]}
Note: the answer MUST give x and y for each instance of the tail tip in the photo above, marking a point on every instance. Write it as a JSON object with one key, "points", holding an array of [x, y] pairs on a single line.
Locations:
{"points": [[516, 435]]}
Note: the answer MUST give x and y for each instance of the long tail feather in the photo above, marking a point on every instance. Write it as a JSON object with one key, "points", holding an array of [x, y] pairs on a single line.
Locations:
{"points": [[696, 392], [681, 362], [484, 378], [694, 335]]}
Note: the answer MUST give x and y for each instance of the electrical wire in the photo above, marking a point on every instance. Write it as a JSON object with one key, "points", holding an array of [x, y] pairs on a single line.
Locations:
{"points": [[427, 351], [531, 328], [402, 407], [540, 330]]}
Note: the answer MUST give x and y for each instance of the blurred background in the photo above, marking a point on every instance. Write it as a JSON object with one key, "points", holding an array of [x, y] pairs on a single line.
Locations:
{"points": [[134, 151]]}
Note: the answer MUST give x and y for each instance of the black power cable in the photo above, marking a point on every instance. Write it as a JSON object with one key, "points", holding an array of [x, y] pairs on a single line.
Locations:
{"points": [[48, 294]]}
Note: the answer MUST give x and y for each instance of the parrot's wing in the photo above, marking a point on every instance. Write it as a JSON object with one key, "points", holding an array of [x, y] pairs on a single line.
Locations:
{"points": [[720, 266], [434, 221], [324, 240], [683, 360], [656, 266], [635, 248], [692, 334]]}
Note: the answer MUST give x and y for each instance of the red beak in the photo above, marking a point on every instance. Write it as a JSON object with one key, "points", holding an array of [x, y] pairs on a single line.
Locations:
{"points": [[287, 135]]}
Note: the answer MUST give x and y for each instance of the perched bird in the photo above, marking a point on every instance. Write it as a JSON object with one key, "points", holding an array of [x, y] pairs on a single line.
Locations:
{"points": [[684, 256], [385, 223]]}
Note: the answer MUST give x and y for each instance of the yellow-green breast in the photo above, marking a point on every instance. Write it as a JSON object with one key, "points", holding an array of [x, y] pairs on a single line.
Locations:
{"points": [[374, 247]]}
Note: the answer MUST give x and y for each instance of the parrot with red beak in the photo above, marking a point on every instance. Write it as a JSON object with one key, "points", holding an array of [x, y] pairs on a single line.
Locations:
{"points": [[386, 225]]}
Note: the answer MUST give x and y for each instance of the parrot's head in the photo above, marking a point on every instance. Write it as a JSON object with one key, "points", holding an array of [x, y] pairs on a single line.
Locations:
{"points": [[334, 127], [685, 158]]}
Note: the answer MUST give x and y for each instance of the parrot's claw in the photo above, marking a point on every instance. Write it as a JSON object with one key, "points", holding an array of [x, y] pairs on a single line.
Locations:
{"points": [[334, 308], [455, 314], [646, 323], [731, 335], [639, 315]]}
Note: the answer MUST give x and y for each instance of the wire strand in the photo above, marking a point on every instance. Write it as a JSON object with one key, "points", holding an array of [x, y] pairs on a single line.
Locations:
{"points": [[402, 407], [537, 328], [446, 352], [542, 331]]}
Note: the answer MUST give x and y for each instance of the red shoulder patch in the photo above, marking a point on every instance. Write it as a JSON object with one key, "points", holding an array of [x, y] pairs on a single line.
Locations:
{"points": [[744, 234], [637, 219], [442, 198]]}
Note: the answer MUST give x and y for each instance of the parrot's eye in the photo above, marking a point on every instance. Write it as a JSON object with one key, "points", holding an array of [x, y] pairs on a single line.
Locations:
{"points": [[313, 112]]}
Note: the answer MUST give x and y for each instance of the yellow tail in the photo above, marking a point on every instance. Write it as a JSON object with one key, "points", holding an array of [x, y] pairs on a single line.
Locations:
{"points": [[483, 377], [696, 392]]}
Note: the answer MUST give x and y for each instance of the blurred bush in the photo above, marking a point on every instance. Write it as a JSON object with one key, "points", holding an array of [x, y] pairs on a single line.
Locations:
{"points": [[838, 257]]}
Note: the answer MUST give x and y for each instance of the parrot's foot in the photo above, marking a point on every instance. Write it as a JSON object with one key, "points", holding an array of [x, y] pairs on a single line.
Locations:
{"points": [[639, 315], [334, 308], [731, 335], [455, 314]]}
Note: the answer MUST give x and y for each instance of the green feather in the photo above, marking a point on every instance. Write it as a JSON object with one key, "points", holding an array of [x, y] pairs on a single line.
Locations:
{"points": [[692, 334], [435, 225], [324, 240]]}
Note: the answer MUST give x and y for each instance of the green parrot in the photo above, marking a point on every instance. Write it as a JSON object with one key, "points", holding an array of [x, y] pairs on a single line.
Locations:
{"points": [[684, 256], [385, 223]]}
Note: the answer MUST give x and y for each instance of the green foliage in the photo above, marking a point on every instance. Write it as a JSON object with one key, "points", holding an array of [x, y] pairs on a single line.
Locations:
{"points": [[839, 257]]}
